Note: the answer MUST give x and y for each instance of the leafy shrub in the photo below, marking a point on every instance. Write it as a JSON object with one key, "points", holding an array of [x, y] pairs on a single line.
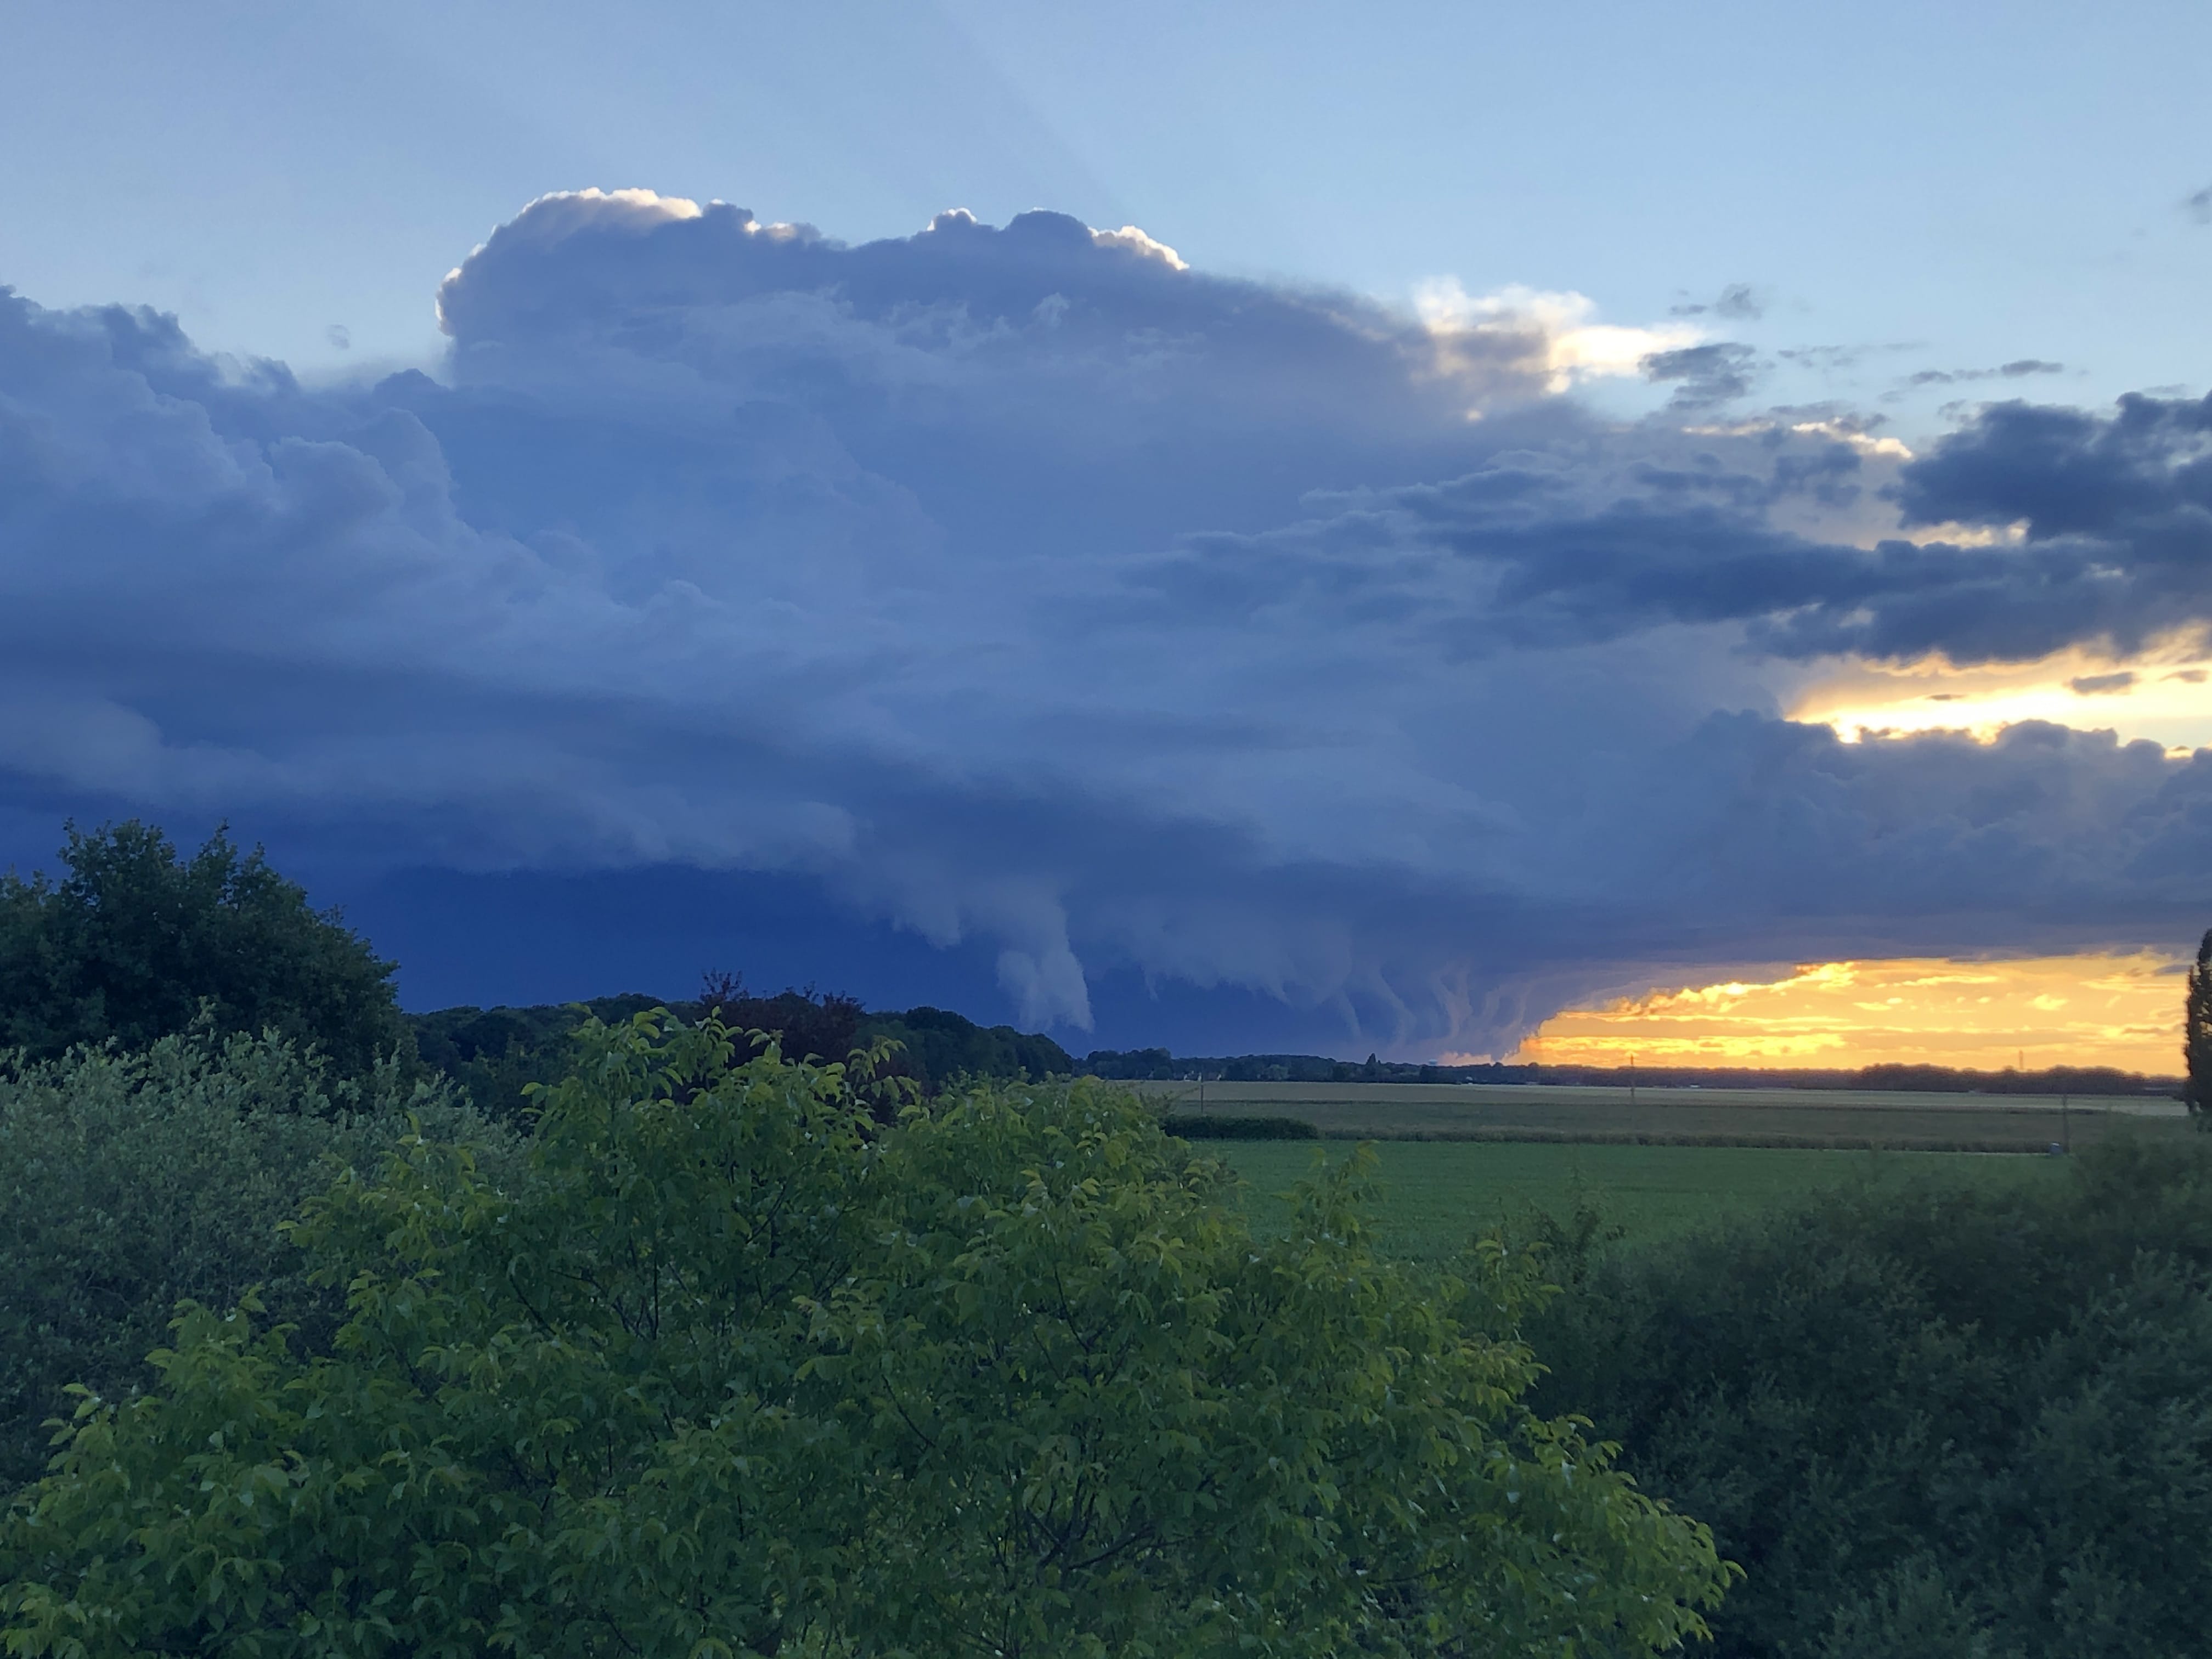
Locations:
{"points": [[129, 1182], [1950, 1419], [136, 944], [1202, 1127], [736, 1370]]}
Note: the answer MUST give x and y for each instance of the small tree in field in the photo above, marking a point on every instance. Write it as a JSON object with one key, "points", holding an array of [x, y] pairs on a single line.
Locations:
{"points": [[2197, 1035], [730, 1370]]}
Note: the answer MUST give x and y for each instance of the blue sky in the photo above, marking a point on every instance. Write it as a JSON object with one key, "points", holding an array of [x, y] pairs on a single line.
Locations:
{"points": [[1939, 187], [1430, 568]]}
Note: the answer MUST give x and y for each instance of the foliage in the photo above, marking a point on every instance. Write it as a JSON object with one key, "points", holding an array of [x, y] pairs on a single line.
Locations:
{"points": [[128, 1182], [937, 1047], [1218, 1126], [497, 1053], [135, 941], [733, 1370], [1950, 1419], [808, 1024], [2196, 1041]]}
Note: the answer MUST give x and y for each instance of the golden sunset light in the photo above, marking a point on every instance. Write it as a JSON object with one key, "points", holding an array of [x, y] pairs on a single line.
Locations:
{"points": [[2119, 1011], [2166, 700]]}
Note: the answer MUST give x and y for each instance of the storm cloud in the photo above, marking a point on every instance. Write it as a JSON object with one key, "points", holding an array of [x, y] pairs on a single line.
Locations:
{"points": [[2086, 530], [1024, 585]]}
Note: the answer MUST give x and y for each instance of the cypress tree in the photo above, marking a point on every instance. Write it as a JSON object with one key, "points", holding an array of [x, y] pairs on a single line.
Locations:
{"points": [[2197, 1042]]}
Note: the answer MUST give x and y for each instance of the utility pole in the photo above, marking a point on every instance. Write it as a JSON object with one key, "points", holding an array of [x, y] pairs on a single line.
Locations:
{"points": [[1632, 1080], [2066, 1122]]}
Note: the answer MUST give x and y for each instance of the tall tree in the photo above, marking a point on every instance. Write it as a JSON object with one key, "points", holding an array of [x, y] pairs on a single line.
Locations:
{"points": [[2196, 1039], [135, 941]]}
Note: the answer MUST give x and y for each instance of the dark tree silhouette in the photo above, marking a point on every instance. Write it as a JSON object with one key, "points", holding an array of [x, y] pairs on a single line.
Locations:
{"points": [[807, 1025], [135, 942], [2197, 1042]]}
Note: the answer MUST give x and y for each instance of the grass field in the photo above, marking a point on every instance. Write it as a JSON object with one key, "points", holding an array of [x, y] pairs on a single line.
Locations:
{"points": [[1743, 1117], [1437, 1194]]}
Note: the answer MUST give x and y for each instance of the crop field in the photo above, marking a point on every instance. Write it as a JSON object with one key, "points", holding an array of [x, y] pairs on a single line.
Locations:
{"points": [[1690, 1117], [1436, 1196]]}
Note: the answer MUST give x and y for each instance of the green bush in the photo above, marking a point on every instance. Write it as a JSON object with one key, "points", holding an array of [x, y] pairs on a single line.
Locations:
{"points": [[136, 944], [129, 1182], [734, 1370], [1949, 1420]]}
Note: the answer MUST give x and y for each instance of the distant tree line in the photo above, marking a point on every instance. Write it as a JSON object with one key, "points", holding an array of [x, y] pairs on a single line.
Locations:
{"points": [[496, 1054], [1158, 1064], [1888, 1076], [1138, 1065]]}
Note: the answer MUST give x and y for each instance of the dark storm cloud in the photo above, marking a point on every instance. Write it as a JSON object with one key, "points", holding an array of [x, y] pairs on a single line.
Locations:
{"points": [[2011, 371], [1706, 376], [1738, 302], [2101, 686], [1022, 587], [2112, 517]]}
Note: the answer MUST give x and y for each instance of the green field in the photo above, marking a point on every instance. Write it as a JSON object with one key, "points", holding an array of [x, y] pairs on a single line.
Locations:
{"points": [[1438, 1194], [1740, 1117]]}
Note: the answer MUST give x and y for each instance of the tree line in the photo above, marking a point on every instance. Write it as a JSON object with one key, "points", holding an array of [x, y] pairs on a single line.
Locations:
{"points": [[1159, 1064]]}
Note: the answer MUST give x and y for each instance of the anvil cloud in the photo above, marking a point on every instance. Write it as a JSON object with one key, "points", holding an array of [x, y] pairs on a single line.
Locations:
{"points": [[1024, 585]]}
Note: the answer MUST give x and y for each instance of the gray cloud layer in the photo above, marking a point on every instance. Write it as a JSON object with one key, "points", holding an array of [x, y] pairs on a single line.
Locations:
{"points": [[1021, 584]]}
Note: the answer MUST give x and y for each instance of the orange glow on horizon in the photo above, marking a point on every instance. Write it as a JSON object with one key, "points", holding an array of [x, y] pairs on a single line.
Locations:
{"points": [[2122, 1010], [2164, 696]]}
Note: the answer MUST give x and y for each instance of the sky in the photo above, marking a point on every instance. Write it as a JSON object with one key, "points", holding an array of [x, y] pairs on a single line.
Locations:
{"points": [[2097, 1009], [1242, 528]]}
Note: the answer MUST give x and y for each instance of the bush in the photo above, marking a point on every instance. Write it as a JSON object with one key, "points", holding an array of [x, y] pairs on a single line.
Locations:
{"points": [[1953, 1420], [130, 1181], [734, 1370], [136, 944]]}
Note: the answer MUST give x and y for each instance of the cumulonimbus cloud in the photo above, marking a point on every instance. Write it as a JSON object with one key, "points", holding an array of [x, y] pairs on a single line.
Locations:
{"points": [[1024, 584]]}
